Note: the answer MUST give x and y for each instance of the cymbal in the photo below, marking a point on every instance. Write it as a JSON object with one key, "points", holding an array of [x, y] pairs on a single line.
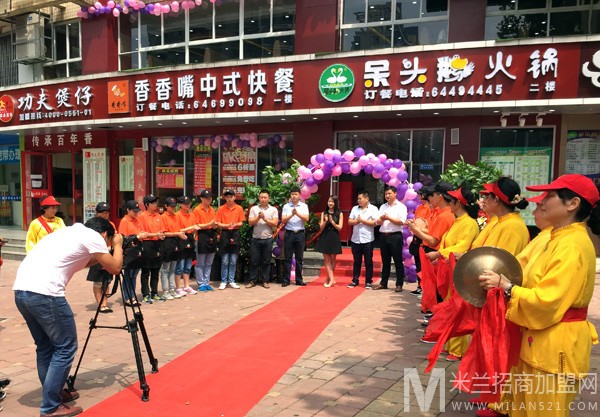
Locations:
{"points": [[474, 262]]}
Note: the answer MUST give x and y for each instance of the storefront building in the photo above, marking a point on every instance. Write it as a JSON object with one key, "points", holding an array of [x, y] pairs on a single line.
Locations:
{"points": [[183, 100]]}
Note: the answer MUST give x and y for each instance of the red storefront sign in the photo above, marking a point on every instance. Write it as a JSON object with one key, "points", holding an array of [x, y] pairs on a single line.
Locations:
{"points": [[238, 168], [169, 177], [508, 73], [7, 108]]}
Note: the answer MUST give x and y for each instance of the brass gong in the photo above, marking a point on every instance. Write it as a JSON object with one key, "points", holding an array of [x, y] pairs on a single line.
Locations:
{"points": [[474, 262]]}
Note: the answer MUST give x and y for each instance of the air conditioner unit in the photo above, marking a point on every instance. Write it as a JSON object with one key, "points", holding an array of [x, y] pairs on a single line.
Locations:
{"points": [[29, 38]]}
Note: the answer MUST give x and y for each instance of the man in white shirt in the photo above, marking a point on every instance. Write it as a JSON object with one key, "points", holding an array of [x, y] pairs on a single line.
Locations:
{"points": [[363, 218], [40, 297], [392, 215], [294, 214], [263, 218]]}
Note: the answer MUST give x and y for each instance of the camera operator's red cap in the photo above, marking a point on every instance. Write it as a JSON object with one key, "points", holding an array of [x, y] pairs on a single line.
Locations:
{"points": [[579, 184], [49, 201], [538, 198]]}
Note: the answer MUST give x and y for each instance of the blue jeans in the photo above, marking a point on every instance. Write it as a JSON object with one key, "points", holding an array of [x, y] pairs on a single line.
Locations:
{"points": [[129, 281], [184, 266], [204, 263], [167, 275], [228, 264], [52, 325]]}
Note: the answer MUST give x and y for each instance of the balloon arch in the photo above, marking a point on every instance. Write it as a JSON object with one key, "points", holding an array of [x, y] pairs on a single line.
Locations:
{"points": [[333, 163]]}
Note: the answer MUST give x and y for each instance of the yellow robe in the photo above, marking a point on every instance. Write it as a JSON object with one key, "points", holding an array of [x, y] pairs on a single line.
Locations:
{"points": [[36, 231], [560, 277]]}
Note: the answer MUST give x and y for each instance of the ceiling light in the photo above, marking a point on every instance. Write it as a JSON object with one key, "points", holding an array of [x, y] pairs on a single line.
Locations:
{"points": [[435, 113], [355, 116], [315, 118]]}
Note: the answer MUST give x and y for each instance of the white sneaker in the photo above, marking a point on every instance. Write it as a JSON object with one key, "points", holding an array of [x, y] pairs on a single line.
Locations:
{"points": [[181, 292], [234, 285], [167, 295], [174, 294], [190, 290], [223, 286]]}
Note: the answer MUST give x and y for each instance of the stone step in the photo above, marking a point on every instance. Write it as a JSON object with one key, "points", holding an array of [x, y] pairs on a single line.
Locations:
{"points": [[14, 249]]}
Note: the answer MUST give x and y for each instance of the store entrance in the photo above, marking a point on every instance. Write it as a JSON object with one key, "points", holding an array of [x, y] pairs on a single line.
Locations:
{"points": [[60, 175]]}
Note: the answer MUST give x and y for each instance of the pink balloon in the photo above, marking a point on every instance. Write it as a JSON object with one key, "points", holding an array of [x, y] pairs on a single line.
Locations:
{"points": [[393, 172], [304, 192], [410, 194], [381, 157], [125, 10], [282, 145], [215, 145], [165, 8], [337, 152], [313, 160], [110, 4], [198, 2], [141, 4], [116, 12], [79, 14], [348, 156], [355, 167], [206, 142], [336, 171], [91, 9], [328, 153], [97, 5], [318, 174], [313, 188], [158, 148], [363, 161]]}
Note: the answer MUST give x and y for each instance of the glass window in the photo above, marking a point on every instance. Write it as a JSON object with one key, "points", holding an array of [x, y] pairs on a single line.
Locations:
{"points": [[174, 31], [497, 5], [268, 47], [60, 42], [257, 17], [150, 30], [224, 51], [273, 155], [531, 4], [165, 57], [74, 50], [414, 22], [200, 25], [284, 12], [569, 23], [227, 20], [75, 69]]}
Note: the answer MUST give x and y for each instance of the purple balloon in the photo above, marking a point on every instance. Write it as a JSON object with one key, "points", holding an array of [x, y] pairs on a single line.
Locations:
{"points": [[402, 188], [310, 181], [379, 168], [358, 152], [310, 166], [400, 194], [337, 159], [410, 216], [385, 177], [417, 186], [277, 251], [345, 168], [410, 205], [402, 175], [368, 169], [406, 233], [329, 165], [405, 254], [320, 158], [387, 164], [397, 163]]}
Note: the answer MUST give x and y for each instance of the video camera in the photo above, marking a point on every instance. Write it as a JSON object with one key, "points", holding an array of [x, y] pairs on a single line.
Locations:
{"points": [[130, 241]]}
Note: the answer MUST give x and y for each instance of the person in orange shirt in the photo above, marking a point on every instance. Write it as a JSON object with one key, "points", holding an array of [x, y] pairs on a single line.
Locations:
{"points": [[230, 217], [152, 256], [423, 214], [131, 226], [171, 250], [188, 223], [207, 240], [441, 220]]}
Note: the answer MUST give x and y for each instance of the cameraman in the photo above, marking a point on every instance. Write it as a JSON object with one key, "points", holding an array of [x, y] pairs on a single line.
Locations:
{"points": [[40, 297]]}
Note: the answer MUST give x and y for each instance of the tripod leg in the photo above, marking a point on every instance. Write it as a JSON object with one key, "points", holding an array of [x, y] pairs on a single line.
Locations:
{"points": [[71, 379], [153, 361], [133, 329]]}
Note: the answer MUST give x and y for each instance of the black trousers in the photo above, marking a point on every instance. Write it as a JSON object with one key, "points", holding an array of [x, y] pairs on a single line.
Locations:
{"points": [[153, 273], [360, 251], [260, 258], [391, 247], [293, 244]]}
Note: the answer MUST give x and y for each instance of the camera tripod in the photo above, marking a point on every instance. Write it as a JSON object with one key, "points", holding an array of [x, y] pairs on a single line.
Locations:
{"points": [[132, 326]]}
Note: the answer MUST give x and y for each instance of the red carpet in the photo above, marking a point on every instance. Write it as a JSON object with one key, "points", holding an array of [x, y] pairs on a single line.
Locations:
{"points": [[232, 371], [344, 266]]}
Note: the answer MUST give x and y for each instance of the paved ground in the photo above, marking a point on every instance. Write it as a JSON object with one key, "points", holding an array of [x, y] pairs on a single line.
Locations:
{"points": [[354, 368]]}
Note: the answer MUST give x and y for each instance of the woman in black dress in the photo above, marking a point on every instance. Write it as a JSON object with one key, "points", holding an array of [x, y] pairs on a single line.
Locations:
{"points": [[329, 244]]}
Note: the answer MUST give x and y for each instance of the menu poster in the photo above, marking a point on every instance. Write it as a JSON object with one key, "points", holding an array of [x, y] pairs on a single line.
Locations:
{"points": [[94, 180], [169, 177], [126, 173], [527, 166], [202, 169], [583, 153], [238, 169]]}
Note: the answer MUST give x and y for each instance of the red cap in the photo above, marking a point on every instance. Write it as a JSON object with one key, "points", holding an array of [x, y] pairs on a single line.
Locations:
{"points": [[493, 188], [538, 198], [49, 201], [579, 184], [458, 195]]}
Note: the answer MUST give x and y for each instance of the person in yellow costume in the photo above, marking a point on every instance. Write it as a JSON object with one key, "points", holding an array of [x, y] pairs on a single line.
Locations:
{"points": [[458, 239], [551, 305], [45, 224]]}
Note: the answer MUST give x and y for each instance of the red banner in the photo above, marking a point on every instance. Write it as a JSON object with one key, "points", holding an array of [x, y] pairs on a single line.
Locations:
{"points": [[202, 169]]}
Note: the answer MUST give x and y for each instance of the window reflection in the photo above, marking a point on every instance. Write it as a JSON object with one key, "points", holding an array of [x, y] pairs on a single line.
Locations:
{"points": [[150, 30]]}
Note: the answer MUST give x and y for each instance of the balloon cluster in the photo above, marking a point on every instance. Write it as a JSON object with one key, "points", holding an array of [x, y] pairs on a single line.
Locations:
{"points": [[128, 6], [333, 163], [245, 140]]}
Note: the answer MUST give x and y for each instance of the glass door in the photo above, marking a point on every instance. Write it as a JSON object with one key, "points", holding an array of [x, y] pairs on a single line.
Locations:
{"points": [[37, 181]]}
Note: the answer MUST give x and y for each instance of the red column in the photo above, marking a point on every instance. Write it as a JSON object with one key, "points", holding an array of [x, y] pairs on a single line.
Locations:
{"points": [[315, 26], [99, 44]]}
